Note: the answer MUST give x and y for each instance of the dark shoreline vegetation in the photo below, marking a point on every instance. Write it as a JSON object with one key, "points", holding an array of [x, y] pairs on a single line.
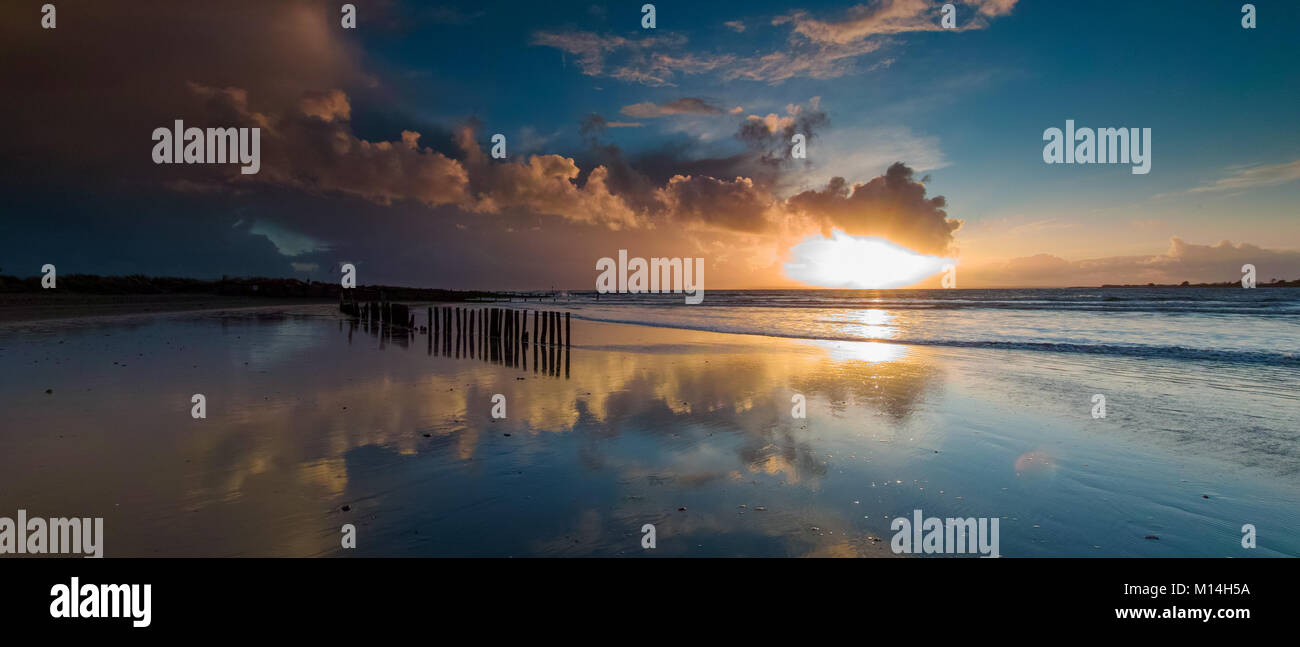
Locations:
{"points": [[1226, 284], [276, 288]]}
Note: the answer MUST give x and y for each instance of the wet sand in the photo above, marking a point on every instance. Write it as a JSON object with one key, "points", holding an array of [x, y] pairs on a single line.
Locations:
{"points": [[308, 413]]}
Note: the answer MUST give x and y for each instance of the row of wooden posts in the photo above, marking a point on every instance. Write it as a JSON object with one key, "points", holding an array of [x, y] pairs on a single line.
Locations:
{"points": [[494, 334], [386, 312], [502, 336], [505, 324]]}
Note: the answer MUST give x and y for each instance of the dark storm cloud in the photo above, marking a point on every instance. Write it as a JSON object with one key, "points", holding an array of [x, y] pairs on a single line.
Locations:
{"points": [[735, 205], [770, 136], [892, 206], [89, 93]]}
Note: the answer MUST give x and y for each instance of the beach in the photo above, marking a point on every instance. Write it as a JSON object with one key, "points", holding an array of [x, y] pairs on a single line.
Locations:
{"points": [[314, 421]]}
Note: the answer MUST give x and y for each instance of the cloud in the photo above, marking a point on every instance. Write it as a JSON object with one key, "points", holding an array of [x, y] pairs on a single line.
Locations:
{"points": [[1255, 177], [283, 51], [1183, 261], [594, 125], [645, 59], [544, 184], [770, 134], [658, 69], [326, 106], [682, 106], [737, 205], [802, 59], [994, 7], [819, 48], [887, 17], [590, 48], [863, 21], [765, 159], [313, 149], [893, 206]]}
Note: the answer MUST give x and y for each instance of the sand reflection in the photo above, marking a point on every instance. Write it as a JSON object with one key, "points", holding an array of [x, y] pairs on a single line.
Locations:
{"points": [[308, 414]]}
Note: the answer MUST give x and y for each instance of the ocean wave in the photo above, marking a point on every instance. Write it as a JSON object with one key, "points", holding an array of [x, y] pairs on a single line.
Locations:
{"points": [[1274, 301], [1123, 350]]}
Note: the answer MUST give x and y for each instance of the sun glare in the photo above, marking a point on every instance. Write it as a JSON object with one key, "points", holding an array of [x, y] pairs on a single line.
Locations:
{"points": [[847, 261]]}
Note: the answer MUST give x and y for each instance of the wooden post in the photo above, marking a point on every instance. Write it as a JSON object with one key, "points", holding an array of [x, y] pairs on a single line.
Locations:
{"points": [[546, 354], [568, 334], [555, 357], [509, 337], [535, 325]]}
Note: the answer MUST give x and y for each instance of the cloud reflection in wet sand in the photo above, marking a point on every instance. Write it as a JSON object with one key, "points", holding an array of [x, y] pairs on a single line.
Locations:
{"points": [[308, 414]]}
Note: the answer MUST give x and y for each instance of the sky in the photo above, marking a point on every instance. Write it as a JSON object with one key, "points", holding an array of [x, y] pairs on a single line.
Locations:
{"points": [[670, 142]]}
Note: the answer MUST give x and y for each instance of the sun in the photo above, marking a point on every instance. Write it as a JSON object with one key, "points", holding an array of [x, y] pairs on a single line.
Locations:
{"points": [[869, 262]]}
